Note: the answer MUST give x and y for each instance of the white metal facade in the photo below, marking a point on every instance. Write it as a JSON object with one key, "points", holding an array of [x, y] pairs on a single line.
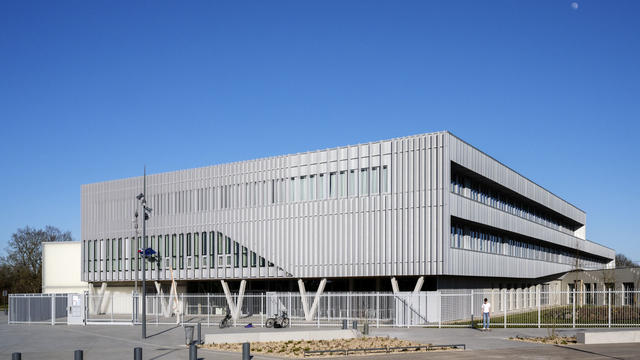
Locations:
{"points": [[402, 229]]}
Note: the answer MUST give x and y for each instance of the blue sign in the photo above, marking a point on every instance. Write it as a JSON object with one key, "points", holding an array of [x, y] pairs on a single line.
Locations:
{"points": [[148, 252]]}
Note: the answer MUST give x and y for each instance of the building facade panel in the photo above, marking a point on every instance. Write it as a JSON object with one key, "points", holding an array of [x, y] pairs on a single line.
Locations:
{"points": [[370, 210]]}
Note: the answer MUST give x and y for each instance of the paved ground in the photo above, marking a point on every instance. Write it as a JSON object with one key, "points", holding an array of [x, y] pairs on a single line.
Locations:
{"points": [[164, 342]]}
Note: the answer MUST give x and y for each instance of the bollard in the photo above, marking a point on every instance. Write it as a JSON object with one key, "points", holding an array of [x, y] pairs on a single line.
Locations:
{"points": [[355, 324], [78, 355], [365, 329], [137, 353], [344, 324], [246, 351], [199, 333], [193, 351], [16, 356]]}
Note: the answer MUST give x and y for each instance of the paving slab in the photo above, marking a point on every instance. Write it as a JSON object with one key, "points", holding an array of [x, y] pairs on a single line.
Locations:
{"points": [[116, 342]]}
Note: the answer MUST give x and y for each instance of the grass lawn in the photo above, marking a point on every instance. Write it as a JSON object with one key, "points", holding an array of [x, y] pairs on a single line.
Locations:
{"points": [[563, 316]]}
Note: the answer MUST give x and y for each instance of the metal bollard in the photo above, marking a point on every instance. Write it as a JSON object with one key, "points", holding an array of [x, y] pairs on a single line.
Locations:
{"points": [[16, 356], [355, 324], [246, 351], [193, 351], [137, 353], [365, 329], [78, 355], [199, 333], [344, 324]]}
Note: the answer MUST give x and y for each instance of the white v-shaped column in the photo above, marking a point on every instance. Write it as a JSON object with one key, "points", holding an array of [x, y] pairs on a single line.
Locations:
{"points": [[309, 313], [233, 307]]}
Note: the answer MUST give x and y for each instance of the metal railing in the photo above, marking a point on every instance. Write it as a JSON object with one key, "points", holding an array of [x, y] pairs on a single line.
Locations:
{"points": [[455, 308]]}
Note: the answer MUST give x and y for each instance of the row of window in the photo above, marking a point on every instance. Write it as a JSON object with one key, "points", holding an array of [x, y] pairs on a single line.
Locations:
{"points": [[593, 297], [483, 241], [467, 187], [203, 250], [354, 182], [341, 184]]}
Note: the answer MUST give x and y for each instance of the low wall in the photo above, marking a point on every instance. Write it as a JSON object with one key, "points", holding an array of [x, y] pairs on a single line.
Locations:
{"points": [[281, 336]]}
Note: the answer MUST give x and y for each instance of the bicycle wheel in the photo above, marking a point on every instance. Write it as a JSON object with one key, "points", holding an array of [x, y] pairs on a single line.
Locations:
{"points": [[285, 322], [270, 322], [224, 323]]}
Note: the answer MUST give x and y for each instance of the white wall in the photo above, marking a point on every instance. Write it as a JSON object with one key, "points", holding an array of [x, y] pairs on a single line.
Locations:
{"points": [[61, 268]]}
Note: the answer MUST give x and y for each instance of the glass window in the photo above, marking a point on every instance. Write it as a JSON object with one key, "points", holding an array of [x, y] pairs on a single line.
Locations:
{"points": [[262, 262], [107, 250], [303, 188], [196, 252], [385, 179], [253, 259], [244, 257], [211, 249], [236, 254], [153, 246], [228, 245], [204, 243], [321, 186], [342, 184], [114, 254], [89, 255], [332, 185], [312, 187], [292, 188], [375, 180], [173, 251], [364, 181], [353, 182], [119, 254], [220, 244], [188, 244]]}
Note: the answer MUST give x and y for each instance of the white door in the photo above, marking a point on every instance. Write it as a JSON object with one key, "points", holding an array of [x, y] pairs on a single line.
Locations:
{"points": [[75, 309]]}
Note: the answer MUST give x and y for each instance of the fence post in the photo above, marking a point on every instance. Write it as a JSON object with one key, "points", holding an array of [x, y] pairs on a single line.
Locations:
{"points": [[208, 309], [609, 306], [182, 310], [53, 309], [289, 311], [439, 309], [472, 309], [504, 307], [348, 307], [538, 303], [573, 307], [262, 310], [378, 310]]}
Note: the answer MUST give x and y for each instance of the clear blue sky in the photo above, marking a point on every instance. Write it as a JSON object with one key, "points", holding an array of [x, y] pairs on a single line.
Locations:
{"points": [[92, 90]]}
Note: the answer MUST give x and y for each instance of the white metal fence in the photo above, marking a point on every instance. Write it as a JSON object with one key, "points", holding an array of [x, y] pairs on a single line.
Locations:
{"points": [[38, 308], [519, 308]]}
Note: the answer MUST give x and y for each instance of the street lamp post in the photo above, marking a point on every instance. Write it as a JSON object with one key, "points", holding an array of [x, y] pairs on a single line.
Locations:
{"points": [[145, 216]]}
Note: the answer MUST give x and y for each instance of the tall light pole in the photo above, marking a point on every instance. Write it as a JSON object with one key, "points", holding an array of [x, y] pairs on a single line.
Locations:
{"points": [[145, 216]]}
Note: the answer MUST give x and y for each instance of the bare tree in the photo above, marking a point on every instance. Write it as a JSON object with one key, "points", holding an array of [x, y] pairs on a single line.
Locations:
{"points": [[24, 257], [623, 261]]}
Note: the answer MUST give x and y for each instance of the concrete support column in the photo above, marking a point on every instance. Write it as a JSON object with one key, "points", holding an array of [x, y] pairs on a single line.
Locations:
{"points": [[309, 313], [394, 285]]}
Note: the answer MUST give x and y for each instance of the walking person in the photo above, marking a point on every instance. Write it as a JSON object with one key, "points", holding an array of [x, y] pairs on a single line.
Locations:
{"points": [[486, 309]]}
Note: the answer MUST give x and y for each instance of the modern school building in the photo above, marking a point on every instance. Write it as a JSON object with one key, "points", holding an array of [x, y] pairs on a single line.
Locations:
{"points": [[421, 212]]}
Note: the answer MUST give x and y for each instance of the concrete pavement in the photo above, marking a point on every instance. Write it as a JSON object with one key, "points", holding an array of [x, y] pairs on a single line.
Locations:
{"points": [[111, 342]]}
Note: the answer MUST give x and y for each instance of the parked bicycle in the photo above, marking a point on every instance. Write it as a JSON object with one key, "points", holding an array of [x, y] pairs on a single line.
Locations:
{"points": [[226, 321], [278, 321]]}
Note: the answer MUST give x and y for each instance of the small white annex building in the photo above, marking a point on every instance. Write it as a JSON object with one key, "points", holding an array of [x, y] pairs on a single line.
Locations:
{"points": [[61, 265]]}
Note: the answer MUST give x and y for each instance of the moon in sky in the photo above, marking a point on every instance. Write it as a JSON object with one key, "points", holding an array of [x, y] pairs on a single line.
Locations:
{"points": [[574, 5]]}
